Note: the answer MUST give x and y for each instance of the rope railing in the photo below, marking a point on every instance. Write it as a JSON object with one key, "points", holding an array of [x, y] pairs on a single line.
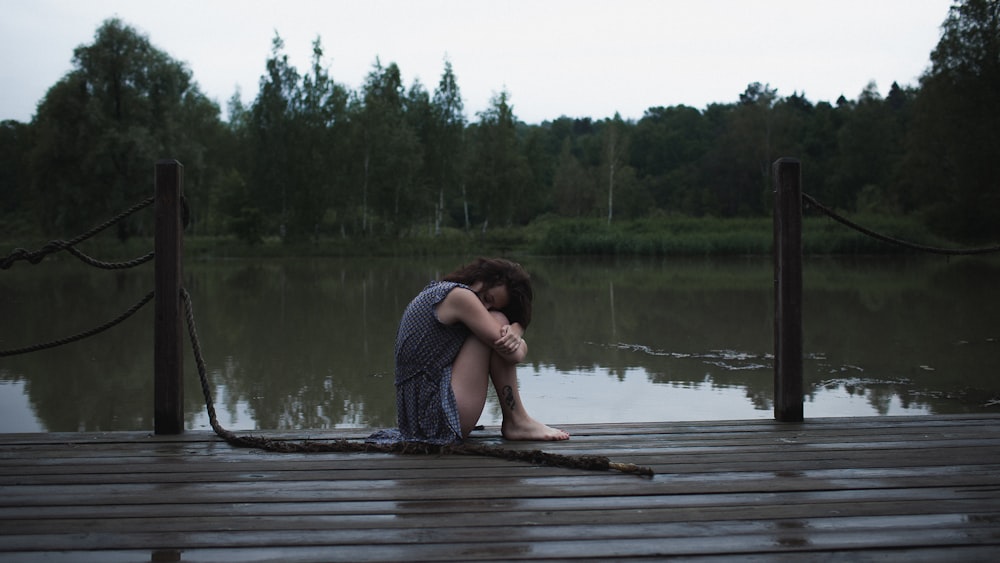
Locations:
{"points": [[36, 256], [788, 334], [80, 336], [111, 265], [891, 240]]}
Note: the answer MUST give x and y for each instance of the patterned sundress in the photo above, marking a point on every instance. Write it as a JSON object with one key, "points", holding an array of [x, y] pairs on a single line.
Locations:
{"points": [[426, 348]]}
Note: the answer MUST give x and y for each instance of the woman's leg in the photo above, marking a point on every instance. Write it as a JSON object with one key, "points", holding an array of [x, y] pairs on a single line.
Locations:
{"points": [[474, 366], [469, 380], [517, 423]]}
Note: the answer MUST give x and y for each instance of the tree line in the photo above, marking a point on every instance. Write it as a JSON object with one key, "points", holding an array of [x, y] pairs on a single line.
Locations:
{"points": [[309, 157]]}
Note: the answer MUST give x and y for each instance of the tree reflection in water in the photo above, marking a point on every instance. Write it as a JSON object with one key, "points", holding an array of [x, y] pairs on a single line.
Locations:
{"points": [[307, 343]]}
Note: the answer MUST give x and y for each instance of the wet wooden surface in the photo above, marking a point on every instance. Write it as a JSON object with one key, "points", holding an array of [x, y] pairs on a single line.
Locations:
{"points": [[840, 489]]}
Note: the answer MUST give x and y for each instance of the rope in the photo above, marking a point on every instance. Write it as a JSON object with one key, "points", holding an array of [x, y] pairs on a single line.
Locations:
{"points": [[537, 457], [111, 265], [844, 221], [56, 245], [86, 334], [36, 256]]}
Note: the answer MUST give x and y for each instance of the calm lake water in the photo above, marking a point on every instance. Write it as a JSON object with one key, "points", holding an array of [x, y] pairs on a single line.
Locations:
{"points": [[307, 343]]}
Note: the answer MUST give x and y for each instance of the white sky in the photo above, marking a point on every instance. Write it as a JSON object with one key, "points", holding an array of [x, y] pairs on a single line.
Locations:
{"points": [[579, 58]]}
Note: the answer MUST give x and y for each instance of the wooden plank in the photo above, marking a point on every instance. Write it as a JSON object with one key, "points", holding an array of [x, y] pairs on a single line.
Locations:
{"points": [[287, 517], [933, 530], [535, 542], [630, 446], [508, 495], [813, 435], [311, 554], [450, 513], [918, 485], [280, 470], [844, 425], [627, 445]]}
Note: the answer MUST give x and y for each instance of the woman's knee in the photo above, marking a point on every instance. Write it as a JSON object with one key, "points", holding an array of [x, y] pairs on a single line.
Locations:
{"points": [[473, 352], [500, 317]]}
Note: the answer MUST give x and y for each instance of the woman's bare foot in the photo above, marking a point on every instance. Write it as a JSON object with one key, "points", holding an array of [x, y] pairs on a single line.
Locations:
{"points": [[531, 429]]}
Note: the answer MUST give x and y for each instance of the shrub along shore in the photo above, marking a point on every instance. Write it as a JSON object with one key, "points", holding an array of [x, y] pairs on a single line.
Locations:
{"points": [[670, 236]]}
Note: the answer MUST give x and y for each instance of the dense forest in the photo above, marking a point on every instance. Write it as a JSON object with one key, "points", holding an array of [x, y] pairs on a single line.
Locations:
{"points": [[309, 158]]}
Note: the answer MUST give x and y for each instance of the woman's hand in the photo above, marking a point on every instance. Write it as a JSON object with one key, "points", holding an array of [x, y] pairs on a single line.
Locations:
{"points": [[510, 340], [464, 306]]}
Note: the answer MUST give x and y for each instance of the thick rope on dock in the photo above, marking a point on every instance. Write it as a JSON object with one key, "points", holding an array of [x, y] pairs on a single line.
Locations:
{"points": [[536, 457]]}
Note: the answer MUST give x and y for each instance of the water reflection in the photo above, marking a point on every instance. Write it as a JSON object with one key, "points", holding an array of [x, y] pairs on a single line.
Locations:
{"points": [[308, 343]]}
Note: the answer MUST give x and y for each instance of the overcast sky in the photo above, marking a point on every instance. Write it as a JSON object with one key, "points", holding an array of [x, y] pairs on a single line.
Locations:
{"points": [[579, 58]]}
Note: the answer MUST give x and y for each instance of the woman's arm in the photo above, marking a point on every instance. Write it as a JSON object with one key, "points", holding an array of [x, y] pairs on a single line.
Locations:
{"points": [[512, 341], [463, 306]]}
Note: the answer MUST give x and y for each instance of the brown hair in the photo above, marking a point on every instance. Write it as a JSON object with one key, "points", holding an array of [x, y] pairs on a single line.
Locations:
{"points": [[498, 271]]}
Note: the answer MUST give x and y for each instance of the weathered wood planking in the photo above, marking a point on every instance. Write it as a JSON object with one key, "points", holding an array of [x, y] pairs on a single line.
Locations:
{"points": [[908, 488]]}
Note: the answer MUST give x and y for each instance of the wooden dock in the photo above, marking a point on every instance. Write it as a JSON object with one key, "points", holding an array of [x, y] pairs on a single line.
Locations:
{"points": [[837, 489]]}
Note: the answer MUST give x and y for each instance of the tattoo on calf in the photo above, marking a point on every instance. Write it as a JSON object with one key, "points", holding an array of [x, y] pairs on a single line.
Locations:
{"points": [[508, 397]]}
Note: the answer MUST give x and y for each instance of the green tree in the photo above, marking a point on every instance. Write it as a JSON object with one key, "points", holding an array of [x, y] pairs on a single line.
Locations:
{"points": [[318, 167], [13, 176], [668, 146], [574, 190], [232, 198], [753, 126], [389, 151], [273, 143], [539, 157], [573, 166], [813, 132], [870, 142], [99, 130], [445, 150], [613, 156], [951, 164], [293, 137], [421, 197], [498, 170]]}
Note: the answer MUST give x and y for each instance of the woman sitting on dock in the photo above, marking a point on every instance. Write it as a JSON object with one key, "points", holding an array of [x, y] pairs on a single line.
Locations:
{"points": [[456, 336]]}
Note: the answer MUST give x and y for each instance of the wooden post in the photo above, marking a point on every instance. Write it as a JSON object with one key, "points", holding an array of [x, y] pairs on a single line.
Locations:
{"points": [[168, 358], [788, 396]]}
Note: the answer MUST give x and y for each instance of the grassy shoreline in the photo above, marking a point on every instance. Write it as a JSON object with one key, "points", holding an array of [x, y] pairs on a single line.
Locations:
{"points": [[672, 236]]}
